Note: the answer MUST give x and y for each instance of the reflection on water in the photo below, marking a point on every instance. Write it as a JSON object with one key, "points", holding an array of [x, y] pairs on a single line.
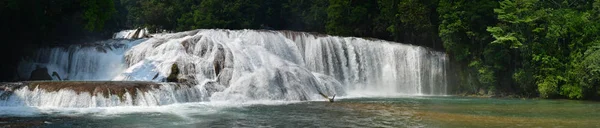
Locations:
{"points": [[359, 112]]}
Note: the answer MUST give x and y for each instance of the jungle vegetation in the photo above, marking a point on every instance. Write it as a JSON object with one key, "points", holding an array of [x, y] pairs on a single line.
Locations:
{"points": [[529, 48]]}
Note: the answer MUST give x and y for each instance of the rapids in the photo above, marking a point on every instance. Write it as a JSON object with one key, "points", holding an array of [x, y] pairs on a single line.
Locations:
{"points": [[236, 66]]}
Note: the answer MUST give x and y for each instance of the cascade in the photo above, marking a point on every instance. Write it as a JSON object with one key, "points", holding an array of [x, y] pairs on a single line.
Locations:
{"points": [[96, 61], [96, 94], [236, 65]]}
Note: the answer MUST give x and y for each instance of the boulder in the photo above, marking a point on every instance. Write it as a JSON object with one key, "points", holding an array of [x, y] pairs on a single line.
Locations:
{"points": [[40, 74], [219, 61], [173, 77]]}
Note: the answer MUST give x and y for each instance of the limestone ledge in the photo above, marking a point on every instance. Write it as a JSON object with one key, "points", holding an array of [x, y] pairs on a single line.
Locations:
{"points": [[104, 88]]}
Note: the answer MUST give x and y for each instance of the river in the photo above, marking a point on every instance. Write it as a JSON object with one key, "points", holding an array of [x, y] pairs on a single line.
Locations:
{"points": [[253, 78], [401, 111]]}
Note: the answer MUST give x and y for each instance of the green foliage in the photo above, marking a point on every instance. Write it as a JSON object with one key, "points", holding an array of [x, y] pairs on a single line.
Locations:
{"points": [[463, 26], [533, 48], [408, 21], [548, 86], [337, 12], [462, 29], [349, 18], [590, 72], [525, 81], [549, 40], [97, 12], [307, 15], [37, 23], [538, 45]]}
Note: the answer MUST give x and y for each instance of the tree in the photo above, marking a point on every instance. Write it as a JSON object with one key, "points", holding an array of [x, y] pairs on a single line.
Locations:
{"points": [[462, 29], [347, 18], [97, 12], [550, 40]]}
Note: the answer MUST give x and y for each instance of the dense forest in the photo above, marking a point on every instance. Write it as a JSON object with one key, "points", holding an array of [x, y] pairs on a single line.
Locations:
{"points": [[530, 48]]}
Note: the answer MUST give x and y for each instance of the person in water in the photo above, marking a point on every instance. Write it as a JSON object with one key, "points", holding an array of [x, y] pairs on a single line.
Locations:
{"points": [[57, 76], [326, 97]]}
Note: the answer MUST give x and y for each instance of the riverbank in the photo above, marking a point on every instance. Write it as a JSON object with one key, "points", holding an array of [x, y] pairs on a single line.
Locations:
{"points": [[515, 96], [493, 96]]}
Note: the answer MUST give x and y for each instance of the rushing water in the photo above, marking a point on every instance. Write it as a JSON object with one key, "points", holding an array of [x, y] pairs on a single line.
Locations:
{"points": [[351, 112], [251, 78], [238, 66]]}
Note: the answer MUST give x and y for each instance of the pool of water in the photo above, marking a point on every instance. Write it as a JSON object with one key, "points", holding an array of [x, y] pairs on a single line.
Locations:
{"points": [[422, 111]]}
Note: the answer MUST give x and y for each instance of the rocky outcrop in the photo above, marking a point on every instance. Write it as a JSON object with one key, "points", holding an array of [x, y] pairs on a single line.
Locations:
{"points": [[219, 62], [97, 87], [92, 87], [95, 93], [40, 74], [132, 34], [173, 77], [7, 89]]}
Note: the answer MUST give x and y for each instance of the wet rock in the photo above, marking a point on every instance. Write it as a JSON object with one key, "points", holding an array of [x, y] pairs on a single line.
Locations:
{"points": [[212, 87], [7, 89], [136, 33], [225, 76], [173, 77], [40, 74], [5, 95], [101, 49], [219, 62], [187, 80], [103, 88], [96, 88]]}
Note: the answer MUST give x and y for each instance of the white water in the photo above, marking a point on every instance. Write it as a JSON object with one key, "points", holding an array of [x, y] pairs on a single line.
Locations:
{"points": [[164, 95], [131, 34], [253, 66], [97, 61]]}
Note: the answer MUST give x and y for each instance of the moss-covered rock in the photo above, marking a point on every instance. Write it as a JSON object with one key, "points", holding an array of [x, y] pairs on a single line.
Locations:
{"points": [[173, 77]]}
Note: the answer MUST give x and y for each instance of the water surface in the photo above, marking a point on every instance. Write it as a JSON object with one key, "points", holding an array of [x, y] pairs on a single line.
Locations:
{"points": [[423, 111]]}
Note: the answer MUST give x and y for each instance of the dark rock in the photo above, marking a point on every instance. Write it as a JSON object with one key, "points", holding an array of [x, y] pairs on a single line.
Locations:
{"points": [[5, 95], [155, 76], [40, 74], [225, 76], [188, 80], [219, 61], [96, 87], [101, 49], [212, 87], [136, 33], [173, 77]]}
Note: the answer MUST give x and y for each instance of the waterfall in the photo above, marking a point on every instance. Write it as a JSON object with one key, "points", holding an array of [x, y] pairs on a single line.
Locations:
{"points": [[243, 65], [97, 61], [94, 95]]}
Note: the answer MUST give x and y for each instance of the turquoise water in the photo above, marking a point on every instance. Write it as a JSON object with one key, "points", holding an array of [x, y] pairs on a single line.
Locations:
{"points": [[423, 111]]}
